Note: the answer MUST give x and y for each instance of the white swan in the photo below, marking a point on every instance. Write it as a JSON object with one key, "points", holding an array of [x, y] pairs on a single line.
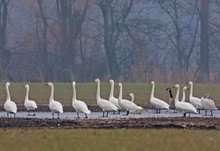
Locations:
{"points": [[30, 105], [157, 103], [139, 111], [9, 106], [105, 105], [194, 100], [208, 104], [78, 105], [171, 99], [126, 104], [112, 99], [184, 94], [55, 106], [186, 107]]}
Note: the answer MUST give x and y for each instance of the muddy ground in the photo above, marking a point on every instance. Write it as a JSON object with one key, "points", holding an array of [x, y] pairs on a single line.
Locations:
{"points": [[141, 123]]}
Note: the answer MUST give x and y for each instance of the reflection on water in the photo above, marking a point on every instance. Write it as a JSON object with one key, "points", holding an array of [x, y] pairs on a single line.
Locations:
{"points": [[98, 115]]}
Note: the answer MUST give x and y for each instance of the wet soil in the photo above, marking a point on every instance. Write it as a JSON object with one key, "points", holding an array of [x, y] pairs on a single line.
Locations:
{"points": [[140, 123]]}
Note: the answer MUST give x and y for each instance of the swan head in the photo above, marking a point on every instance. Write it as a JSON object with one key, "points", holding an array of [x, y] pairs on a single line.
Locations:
{"points": [[176, 86], [111, 81], [26, 86], [97, 80], [73, 83], [168, 89], [120, 84], [131, 94], [185, 88], [152, 82], [50, 83], [7, 84], [190, 83]]}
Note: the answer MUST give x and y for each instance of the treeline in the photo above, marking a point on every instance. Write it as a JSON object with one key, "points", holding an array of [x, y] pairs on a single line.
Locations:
{"points": [[128, 40]]}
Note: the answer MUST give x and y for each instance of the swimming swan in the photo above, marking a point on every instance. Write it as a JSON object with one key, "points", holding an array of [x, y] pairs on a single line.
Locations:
{"points": [[55, 106], [208, 104], [9, 106], [186, 107], [157, 103], [126, 104], [105, 105], [79, 106], [194, 100], [30, 105]]}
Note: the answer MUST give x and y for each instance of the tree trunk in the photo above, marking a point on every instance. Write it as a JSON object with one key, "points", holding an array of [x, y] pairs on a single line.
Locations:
{"points": [[204, 46]]}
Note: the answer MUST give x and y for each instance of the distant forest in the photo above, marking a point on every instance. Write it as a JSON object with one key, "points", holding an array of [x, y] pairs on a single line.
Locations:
{"points": [[126, 40]]}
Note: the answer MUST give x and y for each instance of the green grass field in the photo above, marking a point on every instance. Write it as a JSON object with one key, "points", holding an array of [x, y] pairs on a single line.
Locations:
{"points": [[86, 91], [116, 140]]}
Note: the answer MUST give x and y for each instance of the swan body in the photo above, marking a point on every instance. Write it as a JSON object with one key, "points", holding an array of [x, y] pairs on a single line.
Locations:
{"points": [[208, 104], [186, 107], [105, 105], [157, 103], [194, 100], [112, 99], [138, 111], [184, 94], [126, 104], [9, 106], [54, 106], [30, 105], [78, 105]]}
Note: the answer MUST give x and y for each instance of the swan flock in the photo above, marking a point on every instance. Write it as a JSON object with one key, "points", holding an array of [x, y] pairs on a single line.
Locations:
{"points": [[117, 104]]}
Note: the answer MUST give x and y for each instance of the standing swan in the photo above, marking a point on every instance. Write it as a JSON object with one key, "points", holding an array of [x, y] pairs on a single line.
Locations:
{"points": [[194, 100], [105, 105], [139, 111], [126, 104], [112, 99], [183, 106], [9, 106], [157, 103], [184, 94], [55, 106], [30, 105], [78, 105], [171, 99], [208, 104]]}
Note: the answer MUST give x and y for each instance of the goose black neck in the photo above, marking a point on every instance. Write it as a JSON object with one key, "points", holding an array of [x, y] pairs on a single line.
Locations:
{"points": [[170, 93]]}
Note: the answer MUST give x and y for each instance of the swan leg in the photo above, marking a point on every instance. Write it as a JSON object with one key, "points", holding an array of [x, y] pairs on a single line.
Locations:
{"points": [[205, 112], [199, 111], [53, 115], [211, 113], [119, 111], [184, 114], [34, 113], [103, 114], [107, 114], [7, 114], [14, 115], [58, 115], [86, 115], [77, 114], [127, 112], [28, 113]]}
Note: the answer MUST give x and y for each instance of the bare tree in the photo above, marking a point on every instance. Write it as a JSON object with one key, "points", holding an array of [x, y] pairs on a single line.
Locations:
{"points": [[4, 52]]}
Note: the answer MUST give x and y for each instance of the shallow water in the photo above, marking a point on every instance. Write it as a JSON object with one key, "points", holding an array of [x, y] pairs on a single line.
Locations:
{"points": [[98, 115]]}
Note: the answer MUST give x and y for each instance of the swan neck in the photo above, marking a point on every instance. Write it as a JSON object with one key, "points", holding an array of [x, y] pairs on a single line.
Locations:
{"points": [[191, 90], [8, 93], [98, 91], [120, 93], [27, 92], [112, 90], [184, 96], [177, 95], [132, 98], [51, 94], [74, 93], [152, 91]]}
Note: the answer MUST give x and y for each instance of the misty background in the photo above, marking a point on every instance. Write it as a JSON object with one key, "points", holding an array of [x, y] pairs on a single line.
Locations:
{"points": [[126, 40]]}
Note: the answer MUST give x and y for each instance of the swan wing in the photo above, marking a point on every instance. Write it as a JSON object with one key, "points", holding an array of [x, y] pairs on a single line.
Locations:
{"points": [[56, 106], [81, 106], [208, 103], [186, 107], [128, 105], [10, 106], [196, 102], [30, 104], [114, 101], [106, 105], [160, 104]]}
